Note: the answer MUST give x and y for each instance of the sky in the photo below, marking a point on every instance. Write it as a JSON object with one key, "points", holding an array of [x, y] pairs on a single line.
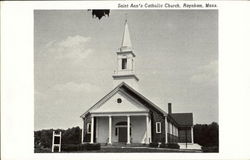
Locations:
{"points": [[75, 57]]}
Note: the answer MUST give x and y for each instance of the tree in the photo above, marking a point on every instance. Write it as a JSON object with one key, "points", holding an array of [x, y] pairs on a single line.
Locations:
{"points": [[207, 135], [72, 136], [100, 13], [43, 138]]}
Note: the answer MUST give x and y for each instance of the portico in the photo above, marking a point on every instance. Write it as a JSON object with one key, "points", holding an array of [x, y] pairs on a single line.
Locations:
{"points": [[123, 128]]}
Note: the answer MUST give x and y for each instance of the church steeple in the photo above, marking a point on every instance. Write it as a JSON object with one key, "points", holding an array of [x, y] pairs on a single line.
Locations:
{"points": [[125, 62], [126, 42]]}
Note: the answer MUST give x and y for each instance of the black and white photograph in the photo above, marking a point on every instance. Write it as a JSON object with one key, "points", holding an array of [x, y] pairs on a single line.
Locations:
{"points": [[126, 81]]}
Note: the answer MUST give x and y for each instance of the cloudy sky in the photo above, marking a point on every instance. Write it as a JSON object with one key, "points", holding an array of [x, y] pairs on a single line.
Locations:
{"points": [[75, 56]]}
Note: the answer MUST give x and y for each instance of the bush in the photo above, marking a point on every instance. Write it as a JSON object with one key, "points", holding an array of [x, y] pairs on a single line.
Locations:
{"points": [[94, 146], [43, 138], [206, 135], [81, 147], [153, 144], [163, 145], [70, 147], [210, 149], [173, 145], [170, 145]]}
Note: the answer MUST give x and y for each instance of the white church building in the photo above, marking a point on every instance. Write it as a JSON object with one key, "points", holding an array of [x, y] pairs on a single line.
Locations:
{"points": [[125, 116]]}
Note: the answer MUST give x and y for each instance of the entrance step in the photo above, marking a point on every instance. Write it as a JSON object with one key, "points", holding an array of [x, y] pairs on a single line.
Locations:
{"points": [[120, 145]]}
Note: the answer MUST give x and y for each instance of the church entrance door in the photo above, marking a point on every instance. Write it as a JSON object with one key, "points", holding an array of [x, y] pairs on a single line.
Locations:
{"points": [[122, 134]]}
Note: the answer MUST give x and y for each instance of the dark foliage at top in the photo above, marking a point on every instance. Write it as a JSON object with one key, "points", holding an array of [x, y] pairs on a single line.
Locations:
{"points": [[207, 135], [100, 13]]}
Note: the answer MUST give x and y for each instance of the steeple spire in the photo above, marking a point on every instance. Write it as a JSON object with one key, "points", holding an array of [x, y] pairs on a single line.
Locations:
{"points": [[126, 42], [125, 70]]}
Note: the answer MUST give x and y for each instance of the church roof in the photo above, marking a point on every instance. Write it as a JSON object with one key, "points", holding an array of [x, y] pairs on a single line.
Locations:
{"points": [[183, 119], [126, 88]]}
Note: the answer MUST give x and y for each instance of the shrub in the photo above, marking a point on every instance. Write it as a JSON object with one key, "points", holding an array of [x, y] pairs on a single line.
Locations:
{"points": [[173, 145], [210, 149], [170, 145], [206, 135], [163, 145], [153, 144], [94, 146], [43, 138], [81, 147], [70, 147]]}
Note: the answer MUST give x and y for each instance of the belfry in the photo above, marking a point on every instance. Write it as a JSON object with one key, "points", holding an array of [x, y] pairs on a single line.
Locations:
{"points": [[125, 70]]}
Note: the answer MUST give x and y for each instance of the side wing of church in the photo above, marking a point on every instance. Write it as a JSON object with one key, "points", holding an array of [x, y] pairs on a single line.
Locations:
{"points": [[126, 116]]}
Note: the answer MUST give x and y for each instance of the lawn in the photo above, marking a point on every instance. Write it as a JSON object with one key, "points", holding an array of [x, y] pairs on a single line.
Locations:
{"points": [[124, 150], [138, 150]]}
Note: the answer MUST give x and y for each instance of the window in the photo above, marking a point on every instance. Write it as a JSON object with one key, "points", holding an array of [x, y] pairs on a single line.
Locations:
{"points": [[171, 129], [119, 100], [88, 127], [124, 63], [158, 127]]}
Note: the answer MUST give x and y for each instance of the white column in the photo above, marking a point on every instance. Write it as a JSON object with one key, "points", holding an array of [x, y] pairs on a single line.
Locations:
{"points": [[172, 129], [110, 130], [177, 131], [192, 136], [82, 130], [92, 130], [53, 138], [128, 129], [166, 130], [60, 142], [96, 129], [150, 129], [147, 140]]}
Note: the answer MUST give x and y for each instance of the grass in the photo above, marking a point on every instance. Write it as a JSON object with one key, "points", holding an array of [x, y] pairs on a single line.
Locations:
{"points": [[123, 150]]}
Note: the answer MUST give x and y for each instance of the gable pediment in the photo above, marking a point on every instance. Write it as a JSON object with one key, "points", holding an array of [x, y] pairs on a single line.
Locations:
{"points": [[119, 102], [133, 101]]}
